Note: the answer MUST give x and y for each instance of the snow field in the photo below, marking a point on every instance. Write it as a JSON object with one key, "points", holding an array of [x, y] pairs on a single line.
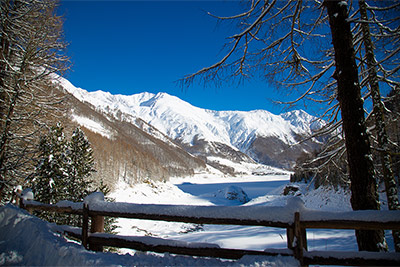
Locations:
{"points": [[208, 190], [92, 125], [25, 240]]}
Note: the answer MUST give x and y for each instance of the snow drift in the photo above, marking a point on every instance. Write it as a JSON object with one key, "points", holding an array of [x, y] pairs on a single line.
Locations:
{"points": [[27, 240]]}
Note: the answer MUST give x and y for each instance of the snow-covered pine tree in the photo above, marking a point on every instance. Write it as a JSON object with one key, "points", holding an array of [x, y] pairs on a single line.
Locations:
{"points": [[48, 182], [63, 173], [81, 166]]}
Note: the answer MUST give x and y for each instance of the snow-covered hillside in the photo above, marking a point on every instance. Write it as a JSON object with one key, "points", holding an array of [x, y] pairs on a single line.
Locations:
{"points": [[207, 130], [181, 120], [126, 146]]}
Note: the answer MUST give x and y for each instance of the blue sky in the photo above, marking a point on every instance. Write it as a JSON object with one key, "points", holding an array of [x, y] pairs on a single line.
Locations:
{"points": [[128, 47]]}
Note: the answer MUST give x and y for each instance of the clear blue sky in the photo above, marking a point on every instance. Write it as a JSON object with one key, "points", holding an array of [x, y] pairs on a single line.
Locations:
{"points": [[128, 47]]}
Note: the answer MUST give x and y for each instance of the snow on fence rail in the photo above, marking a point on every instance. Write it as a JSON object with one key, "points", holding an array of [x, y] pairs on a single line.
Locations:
{"points": [[294, 217]]}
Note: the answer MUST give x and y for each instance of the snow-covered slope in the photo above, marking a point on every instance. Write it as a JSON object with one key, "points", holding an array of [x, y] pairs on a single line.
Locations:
{"points": [[181, 120], [216, 130], [302, 121], [126, 147]]}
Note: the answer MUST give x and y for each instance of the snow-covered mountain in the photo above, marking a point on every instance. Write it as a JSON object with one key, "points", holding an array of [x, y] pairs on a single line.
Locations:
{"points": [[240, 136], [132, 152]]}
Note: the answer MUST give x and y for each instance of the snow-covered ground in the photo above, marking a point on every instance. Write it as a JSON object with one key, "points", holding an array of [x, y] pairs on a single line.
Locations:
{"points": [[26, 240], [212, 190]]}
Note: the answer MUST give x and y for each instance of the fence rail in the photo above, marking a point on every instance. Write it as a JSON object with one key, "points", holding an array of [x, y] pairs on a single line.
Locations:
{"points": [[294, 221], [354, 224], [190, 219], [33, 205]]}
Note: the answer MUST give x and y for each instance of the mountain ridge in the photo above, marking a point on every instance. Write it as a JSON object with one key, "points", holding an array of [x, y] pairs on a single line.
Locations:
{"points": [[200, 130]]}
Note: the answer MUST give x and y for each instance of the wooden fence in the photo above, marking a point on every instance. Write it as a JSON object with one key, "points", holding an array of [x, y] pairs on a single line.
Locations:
{"points": [[295, 222]]}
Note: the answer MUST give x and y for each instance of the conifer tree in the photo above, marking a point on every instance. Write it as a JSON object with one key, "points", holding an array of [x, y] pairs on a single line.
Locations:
{"points": [[49, 179], [63, 172], [81, 166]]}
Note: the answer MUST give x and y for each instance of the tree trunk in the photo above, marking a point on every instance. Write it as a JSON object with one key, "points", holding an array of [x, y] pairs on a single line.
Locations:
{"points": [[378, 111], [4, 50], [363, 185]]}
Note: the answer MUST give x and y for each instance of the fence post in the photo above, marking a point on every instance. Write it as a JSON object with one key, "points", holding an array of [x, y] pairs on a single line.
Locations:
{"points": [[301, 239], [85, 225], [97, 227], [290, 237]]}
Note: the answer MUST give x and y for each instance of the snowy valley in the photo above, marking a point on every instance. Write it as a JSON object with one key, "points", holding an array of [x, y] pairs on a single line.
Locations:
{"points": [[38, 242], [224, 141], [158, 149], [121, 166]]}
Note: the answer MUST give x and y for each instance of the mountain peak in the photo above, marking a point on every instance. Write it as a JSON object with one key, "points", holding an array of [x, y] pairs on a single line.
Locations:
{"points": [[303, 120], [180, 120], [213, 130], [157, 98]]}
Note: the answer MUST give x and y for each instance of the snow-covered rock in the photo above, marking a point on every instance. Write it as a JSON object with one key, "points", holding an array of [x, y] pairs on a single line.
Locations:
{"points": [[236, 193]]}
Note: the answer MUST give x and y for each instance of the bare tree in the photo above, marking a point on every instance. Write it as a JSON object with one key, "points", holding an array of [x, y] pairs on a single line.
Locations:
{"points": [[384, 23], [278, 39], [31, 52], [361, 169], [371, 78]]}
